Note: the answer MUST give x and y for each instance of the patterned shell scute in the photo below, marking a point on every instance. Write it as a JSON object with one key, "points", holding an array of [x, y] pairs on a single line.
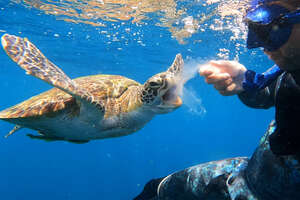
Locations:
{"points": [[105, 86], [50, 102]]}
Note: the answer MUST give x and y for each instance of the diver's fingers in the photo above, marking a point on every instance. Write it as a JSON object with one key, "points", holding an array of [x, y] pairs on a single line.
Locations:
{"points": [[235, 88], [215, 78], [220, 64], [205, 72], [208, 69], [222, 85], [225, 93], [233, 68], [232, 89]]}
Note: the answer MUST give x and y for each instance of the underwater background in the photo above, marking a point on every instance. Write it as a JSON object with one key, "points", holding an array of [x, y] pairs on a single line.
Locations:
{"points": [[136, 39]]}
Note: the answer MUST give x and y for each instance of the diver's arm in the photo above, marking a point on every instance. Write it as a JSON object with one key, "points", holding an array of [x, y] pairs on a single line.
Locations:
{"points": [[262, 99], [232, 78]]}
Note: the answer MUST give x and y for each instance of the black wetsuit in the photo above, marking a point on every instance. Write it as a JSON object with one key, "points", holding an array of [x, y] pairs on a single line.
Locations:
{"points": [[273, 171], [284, 94]]}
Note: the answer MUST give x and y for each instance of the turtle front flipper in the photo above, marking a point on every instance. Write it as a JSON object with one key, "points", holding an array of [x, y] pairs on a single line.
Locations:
{"points": [[31, 59], [177, 66]]}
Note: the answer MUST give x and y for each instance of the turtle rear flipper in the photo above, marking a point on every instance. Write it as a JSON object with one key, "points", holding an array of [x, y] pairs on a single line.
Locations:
{"points": [[15, 129], [44, 137], [29, 57], [54, 139]]}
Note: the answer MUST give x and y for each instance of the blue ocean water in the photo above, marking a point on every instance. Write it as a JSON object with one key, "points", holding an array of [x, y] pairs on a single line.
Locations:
{"points": [[137, 46]]}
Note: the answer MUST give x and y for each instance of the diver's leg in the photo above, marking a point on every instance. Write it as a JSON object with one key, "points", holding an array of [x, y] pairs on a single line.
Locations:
{"points": [[218, 180], [273, 176]]}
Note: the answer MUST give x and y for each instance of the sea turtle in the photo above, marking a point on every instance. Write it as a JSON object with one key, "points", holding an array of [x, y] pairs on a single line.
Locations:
{"points": [[90, 107]]}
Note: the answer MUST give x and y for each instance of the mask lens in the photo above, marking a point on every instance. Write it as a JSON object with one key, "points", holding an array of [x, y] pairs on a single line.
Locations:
{"points": [[270, 37], [262, 32]]}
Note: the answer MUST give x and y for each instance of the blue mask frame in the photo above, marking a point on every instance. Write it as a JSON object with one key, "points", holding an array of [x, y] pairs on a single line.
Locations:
{"points": [[270, 26]]}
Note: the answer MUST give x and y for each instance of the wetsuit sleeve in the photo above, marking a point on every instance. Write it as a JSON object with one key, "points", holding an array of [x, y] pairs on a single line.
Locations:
{"points": [[259, 88], [264, 98]]}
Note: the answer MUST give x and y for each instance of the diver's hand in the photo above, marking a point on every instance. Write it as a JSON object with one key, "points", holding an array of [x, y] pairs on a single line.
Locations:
{"points": [[226, 76]]}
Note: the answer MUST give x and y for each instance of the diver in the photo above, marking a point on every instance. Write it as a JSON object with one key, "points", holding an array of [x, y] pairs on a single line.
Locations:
{"points": [[273, 171]]}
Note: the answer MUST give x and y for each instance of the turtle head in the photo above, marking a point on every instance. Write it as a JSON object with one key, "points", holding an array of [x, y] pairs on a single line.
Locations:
{"points": [[160, 92]]}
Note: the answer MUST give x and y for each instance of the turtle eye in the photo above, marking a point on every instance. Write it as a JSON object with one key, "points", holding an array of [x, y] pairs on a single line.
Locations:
{"points": [[154, 84]]}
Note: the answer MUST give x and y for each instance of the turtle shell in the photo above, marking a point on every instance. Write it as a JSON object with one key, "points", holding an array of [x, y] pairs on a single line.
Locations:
{"points": [[50, 102]]}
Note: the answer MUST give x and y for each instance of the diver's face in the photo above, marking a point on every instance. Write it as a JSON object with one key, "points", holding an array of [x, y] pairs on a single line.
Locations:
{"points": [[287, 57]]}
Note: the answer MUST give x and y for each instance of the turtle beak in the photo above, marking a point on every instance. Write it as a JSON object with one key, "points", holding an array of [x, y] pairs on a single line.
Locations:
{"points": [[178, 102], [171, 99]]}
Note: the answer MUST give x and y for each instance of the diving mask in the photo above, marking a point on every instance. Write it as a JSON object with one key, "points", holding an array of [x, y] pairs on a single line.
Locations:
{"points": [[270, 26]]}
